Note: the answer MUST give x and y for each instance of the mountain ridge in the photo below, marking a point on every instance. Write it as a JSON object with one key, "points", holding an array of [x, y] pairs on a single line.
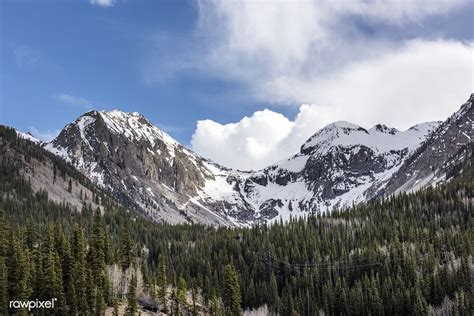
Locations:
{"points": [[147, 169]]}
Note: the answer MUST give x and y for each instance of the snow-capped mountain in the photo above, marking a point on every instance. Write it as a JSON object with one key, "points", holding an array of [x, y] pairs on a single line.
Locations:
{"points": [[139, 164], [339, 165]]}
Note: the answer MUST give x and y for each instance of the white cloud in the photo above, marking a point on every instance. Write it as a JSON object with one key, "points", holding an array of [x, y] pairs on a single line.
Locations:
{"points": [[311, 52], [256, 142], [258, 40], [73, 100], [251, 143], [103, 3], [423, 81]]}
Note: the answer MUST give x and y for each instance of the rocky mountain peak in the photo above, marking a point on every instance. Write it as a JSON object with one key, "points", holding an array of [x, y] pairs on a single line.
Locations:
{"points": [[382, 128], [330, 135]]}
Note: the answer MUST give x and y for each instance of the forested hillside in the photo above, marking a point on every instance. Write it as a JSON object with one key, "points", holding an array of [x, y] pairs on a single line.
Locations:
{"points": [[407, 254]]}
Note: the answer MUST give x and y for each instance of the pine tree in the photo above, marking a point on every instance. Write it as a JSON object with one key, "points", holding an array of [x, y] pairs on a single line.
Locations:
{"points": [[18, 286], [214, 305], [162, 281], [132, 305], [99, 303], [126, 247], [3, 287], [181, 295], [98, 255], [465, 275], [273, 294], [231, 291], [53, 272], [194, 298], [79, 270], [420, 307]]}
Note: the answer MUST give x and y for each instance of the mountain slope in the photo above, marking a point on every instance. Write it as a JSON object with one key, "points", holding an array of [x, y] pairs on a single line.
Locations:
{"points": [[428, 164], [46, 173], [139, 164], [341, 164]]}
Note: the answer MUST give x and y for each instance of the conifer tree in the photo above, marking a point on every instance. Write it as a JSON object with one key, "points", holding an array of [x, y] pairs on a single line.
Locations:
{"points": [[420, 307], [126, 255], [79, 270], [18, 286], [194, 298], [231, 291], [98, 254], [214, 305], [3, 287], [182, 290], [132, 305], [162, 281]]}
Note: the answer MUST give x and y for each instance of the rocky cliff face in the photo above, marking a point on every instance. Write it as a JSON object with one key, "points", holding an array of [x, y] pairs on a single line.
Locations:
{"points": [[429, 163], [139, 164], [339, 165]]}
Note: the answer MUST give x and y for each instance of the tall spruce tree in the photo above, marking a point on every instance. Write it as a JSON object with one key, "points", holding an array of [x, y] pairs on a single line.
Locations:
{"points": [[231, 291], [79, 270], [162, 281], [132, 305]]}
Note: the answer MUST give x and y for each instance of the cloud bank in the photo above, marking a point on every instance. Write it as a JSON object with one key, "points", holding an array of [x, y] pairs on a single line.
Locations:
{"points": [[359, 61]]}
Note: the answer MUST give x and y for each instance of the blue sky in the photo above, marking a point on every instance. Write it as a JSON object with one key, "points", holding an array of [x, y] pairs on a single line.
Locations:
{"points": [[180, 62], [93, 53]]}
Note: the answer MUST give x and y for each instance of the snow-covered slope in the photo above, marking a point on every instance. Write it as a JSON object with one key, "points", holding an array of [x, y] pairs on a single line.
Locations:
{"points": [[139, 164], [339, 165], [28, 136]]}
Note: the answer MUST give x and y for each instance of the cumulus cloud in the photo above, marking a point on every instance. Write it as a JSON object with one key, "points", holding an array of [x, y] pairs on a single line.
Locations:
{"points": [[317, 53], [259, 140], [423, 81], [251, 143], [103, 3]]}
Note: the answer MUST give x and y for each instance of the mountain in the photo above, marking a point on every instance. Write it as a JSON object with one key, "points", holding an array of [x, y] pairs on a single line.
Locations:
{"points": [[47, 174], [140, 165], [410, 254], [341, 164]]}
